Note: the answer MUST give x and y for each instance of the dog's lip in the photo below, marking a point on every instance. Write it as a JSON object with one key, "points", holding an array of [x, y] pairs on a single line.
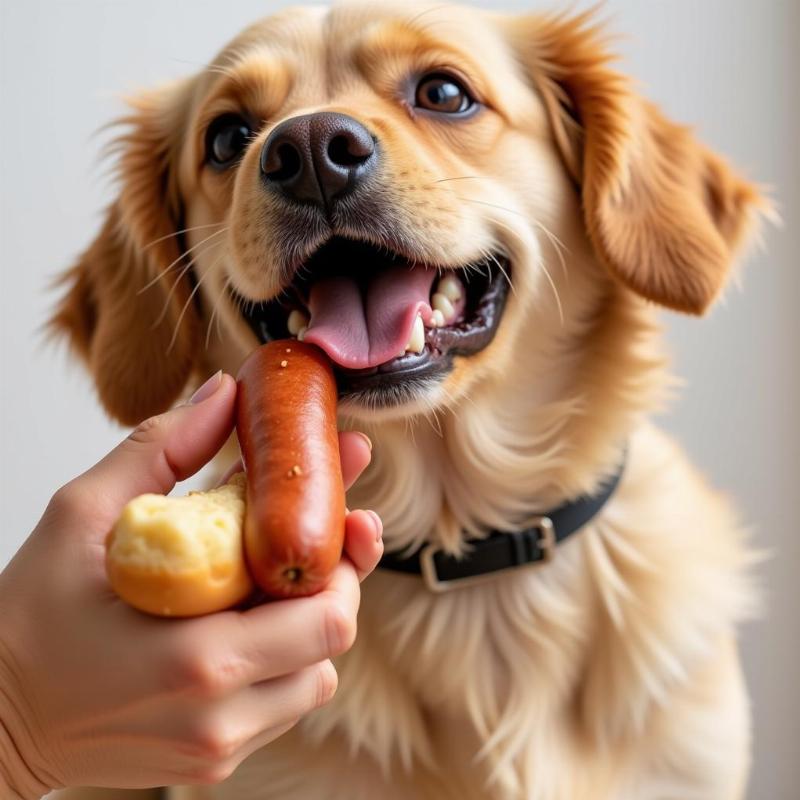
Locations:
{"points": [[486, 284]]}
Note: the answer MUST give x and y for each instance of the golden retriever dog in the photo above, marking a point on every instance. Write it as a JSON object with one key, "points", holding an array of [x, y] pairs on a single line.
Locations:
{"points": [[326, 176]]}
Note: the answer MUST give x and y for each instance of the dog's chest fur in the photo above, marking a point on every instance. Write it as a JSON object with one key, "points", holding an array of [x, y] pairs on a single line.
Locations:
{"points": [[598, 676]]}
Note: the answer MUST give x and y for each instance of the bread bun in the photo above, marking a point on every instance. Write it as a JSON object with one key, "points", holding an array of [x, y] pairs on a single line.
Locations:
{"points": [[181, 556]]}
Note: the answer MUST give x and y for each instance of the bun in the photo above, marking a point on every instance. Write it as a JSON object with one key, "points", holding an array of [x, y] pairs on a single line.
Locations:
{"points": [[181, 556]]}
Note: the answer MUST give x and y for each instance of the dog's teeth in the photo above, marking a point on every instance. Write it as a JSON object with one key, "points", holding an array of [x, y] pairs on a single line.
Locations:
{"points": [[296, 322], [437, 318], [301, 334], [416, 344], [440, 303], [451, 288]]}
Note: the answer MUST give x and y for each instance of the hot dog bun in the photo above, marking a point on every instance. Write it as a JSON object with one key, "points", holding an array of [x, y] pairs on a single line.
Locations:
{"points": [[181, 556]]}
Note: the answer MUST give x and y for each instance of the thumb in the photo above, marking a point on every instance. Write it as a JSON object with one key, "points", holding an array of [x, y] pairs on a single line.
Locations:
{"points": [[166, 448]]}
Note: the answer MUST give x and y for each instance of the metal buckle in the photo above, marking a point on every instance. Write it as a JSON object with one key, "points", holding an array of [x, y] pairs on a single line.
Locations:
{"points": [[547, 538], [546, 542]]}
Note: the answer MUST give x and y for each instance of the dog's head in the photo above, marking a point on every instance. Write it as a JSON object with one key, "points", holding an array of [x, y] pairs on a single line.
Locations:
{"points": [[419, 191]]}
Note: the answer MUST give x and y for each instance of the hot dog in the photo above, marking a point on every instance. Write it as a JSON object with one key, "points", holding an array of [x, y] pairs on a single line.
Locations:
{"points": [[286, 423]]}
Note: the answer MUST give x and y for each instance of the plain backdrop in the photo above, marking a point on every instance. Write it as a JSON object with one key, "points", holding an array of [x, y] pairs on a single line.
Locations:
{"points": [[729, 67]]}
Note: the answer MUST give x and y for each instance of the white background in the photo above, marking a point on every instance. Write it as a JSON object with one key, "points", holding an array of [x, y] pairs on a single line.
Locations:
{"points": [[730, 67]]}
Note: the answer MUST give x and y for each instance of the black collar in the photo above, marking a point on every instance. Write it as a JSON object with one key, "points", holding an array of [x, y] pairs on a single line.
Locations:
{"points": [[502, 550]]}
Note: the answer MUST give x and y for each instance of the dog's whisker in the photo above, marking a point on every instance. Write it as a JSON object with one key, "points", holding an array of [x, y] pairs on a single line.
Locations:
{"points": [[547, 274], [491, 257], [163, 272], [171, 291], [555, 292], [432, 417], [180, 317], [219, 316], [178, 233], [491, 205], [465, 395], [557, 245], [505, 226], [189, 300], [214, 311], [239, 303], [175, 284], [488, 256], [459, 178], [546, 271]]}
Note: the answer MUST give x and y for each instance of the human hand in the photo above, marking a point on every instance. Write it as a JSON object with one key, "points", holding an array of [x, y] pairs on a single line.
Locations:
{"points": [[95, 693]]}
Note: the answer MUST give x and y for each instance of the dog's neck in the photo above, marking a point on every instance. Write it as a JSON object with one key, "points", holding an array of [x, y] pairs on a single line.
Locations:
{"points": [[545, 431], [509, 659], [541, 660]]}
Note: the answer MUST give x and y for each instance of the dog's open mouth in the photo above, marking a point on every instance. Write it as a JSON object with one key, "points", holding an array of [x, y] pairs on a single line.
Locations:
{"points": [[381, 318]]}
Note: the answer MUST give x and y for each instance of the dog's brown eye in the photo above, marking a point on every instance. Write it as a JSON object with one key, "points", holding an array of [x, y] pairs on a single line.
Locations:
{"points": [[443, 93], [226, 138]]}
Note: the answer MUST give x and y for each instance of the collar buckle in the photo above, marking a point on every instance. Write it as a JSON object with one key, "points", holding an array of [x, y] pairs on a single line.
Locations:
{"points": [[541, 526]]}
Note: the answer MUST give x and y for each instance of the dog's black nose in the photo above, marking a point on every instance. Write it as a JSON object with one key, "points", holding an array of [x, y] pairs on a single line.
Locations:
{"points": [[318, 157]]}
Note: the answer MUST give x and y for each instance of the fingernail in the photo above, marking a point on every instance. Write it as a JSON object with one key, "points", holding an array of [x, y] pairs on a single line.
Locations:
{"points": [[377, 523], [207, 389], [365, 438]]}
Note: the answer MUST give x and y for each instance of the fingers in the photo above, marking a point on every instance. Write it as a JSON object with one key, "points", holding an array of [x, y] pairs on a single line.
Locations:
{"points": [[264, 738], [280, 701], [355, 452], [304, 692], [220, 738], [363, 542], [265, 642], [167, 448]]}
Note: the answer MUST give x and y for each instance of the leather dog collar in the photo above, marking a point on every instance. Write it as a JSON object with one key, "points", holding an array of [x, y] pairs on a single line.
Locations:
{"points": [[502, 550]]}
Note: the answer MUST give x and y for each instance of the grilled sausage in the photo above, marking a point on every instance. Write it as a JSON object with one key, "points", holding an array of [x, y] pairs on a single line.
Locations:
{"points": [[286, 423]]}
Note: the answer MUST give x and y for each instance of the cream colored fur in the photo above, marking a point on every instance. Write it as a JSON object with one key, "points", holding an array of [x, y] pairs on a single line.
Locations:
{"points": [[610, 673]]}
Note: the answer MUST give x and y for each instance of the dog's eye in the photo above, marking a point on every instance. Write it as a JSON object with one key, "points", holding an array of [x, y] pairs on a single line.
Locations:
{"points": [[443, 93], [226, 138]]}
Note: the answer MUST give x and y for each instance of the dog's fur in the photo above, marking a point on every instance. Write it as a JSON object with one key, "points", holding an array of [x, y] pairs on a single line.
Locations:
{"points": [[610, 672]]}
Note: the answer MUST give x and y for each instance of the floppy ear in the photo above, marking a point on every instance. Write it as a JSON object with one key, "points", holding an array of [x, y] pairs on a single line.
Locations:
{"points": [[664, 214], [128, 315]]}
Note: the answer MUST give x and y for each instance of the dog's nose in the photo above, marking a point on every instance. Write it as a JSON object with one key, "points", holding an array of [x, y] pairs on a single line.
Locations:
{"points": [[318, 157]]}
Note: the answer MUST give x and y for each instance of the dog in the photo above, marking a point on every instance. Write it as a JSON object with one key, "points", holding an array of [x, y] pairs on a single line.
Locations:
{"points": [[327, 176]]}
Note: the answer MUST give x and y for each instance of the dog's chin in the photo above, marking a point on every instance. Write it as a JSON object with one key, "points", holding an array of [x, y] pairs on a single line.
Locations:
{"points": [[411, 399], [371, 280]]}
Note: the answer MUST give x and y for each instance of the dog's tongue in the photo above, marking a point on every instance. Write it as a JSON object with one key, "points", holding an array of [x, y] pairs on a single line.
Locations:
{"points": [[361, 327]]}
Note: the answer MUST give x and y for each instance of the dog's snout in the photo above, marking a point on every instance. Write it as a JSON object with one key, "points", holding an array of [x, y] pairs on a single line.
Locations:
{"points": [[317, 157]]}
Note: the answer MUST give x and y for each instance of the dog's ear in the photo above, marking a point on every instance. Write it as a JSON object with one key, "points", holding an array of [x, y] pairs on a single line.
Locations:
{"points": [[665, 215], [127, 307]]}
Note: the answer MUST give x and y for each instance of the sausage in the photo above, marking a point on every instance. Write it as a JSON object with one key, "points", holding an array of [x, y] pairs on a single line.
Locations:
{"points": [[286, 423]]}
